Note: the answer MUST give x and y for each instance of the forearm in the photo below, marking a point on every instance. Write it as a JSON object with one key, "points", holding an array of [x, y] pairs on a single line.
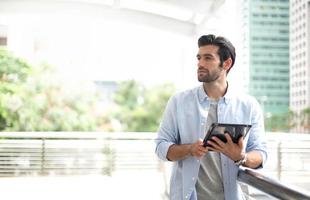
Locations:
{"points": [[178, 152], [254, 159]]}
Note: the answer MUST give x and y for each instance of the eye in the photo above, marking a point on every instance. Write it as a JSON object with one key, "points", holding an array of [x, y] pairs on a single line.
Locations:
{"points": [[208, 58]]}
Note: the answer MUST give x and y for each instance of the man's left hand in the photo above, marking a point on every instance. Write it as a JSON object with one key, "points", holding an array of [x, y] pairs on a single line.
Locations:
{"points": [[232, 150]]}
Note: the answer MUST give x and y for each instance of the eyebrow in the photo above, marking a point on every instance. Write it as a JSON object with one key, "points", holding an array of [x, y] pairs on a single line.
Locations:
{"points": [[204, 55]]}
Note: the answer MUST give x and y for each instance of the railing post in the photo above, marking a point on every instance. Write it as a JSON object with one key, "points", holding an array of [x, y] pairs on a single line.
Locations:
{"points": [[43, 157], [279, 167]]}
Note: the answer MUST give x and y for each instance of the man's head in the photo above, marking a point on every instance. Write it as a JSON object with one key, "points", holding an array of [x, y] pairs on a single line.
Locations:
{"points": [[225, 48]]}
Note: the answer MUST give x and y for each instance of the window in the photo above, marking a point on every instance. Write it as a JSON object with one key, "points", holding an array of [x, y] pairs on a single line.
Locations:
{"points": [[3, 41]]}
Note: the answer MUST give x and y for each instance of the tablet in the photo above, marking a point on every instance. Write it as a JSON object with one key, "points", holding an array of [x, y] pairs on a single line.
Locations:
{"points": [[234, 130]]}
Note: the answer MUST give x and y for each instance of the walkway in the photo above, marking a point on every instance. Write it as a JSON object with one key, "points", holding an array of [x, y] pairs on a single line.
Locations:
{"points": [[138, 185]]}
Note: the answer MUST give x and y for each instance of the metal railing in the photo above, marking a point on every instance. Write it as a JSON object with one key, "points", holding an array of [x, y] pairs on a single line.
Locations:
{"points": [[289, 158], [74, 153], [271, 186], [80, 153]]}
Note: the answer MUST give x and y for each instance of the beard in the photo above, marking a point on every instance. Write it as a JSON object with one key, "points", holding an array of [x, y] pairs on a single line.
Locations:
{"points": [[207, 77]]}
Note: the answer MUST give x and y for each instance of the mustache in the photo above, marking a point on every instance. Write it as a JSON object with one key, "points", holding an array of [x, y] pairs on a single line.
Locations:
{"points": [[203, 70]]}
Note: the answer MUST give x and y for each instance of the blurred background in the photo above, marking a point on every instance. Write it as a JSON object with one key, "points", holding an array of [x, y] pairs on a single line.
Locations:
{"points": [[84, 83]]}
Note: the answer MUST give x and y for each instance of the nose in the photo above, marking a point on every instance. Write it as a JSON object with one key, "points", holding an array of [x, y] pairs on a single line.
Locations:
{"points": [[199, 64]]}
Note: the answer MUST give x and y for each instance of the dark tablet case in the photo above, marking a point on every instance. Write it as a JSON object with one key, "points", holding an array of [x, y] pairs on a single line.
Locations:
{"points": [[234, 130]]}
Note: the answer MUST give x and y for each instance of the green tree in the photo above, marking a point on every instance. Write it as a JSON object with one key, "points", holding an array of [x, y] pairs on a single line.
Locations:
{"points": [[13, 74], [156, 99], [140, 108], [305, 118], [287, 121], [281, 122], [34, 99]]}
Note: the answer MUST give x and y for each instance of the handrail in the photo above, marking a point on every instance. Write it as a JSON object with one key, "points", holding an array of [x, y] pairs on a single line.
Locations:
{"points": [[271, 186], [81, 135], [75, 153]]}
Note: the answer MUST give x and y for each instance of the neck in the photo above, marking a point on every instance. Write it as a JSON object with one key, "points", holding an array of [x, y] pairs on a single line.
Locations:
{"points": [[215, 90]]}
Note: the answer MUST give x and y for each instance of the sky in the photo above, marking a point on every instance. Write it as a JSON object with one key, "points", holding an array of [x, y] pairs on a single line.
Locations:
{"points": [[96, 48]]}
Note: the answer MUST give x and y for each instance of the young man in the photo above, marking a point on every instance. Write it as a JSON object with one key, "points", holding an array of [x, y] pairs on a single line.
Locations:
{"points": [[199, 173]]}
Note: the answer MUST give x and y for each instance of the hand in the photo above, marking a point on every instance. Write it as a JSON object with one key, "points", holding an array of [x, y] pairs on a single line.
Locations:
{"points": [[197, 149], [232, 150]]}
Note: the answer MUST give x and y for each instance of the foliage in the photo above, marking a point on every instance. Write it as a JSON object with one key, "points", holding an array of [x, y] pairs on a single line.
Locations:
{"points": [[33, 99], [281, 122], [141, 108], [305, 118], [13, 73], [287, 121]]}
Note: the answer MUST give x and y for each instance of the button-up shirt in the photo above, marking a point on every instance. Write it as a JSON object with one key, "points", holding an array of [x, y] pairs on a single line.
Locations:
{"points": [[184, 123]]}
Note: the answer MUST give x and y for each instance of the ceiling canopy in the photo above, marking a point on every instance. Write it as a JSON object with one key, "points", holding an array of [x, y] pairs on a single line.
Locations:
{"points": [[181, 16]]}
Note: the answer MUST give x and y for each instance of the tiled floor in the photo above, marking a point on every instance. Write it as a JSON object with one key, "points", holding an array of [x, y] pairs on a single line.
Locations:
{"points": [[124, 185]]}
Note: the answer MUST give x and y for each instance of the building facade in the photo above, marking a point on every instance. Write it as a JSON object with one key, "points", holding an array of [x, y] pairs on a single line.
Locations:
{"points": [[299, 58], [267, 43]]}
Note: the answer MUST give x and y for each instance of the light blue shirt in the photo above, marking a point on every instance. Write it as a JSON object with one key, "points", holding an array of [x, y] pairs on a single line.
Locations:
{"points": [[184, 122]]}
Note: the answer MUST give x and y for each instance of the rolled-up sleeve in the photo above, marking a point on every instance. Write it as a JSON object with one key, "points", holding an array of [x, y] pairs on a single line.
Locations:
{"points": [[168, 130], [257, 140]]}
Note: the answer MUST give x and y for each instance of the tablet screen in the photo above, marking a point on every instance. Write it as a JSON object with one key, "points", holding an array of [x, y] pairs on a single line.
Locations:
{"points": [[234, 130]]}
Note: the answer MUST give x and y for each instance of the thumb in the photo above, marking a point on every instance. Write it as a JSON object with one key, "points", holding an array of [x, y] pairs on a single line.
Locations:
{"points": [[240, 142]]}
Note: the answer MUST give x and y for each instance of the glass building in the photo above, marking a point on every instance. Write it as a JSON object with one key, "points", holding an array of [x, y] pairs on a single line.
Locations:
{"points": [[267, 42], [299, 57]]}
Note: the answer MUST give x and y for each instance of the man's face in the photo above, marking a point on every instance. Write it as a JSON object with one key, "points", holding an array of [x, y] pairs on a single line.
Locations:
{"points": [[209, 68]]}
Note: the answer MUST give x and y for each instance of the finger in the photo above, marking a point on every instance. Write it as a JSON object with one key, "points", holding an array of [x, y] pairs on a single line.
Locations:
{"points": [[200, 142], [228, 138], [203, 149], [213, 149], [201, 153], [214, 145], [218, 141], [240, 142]]}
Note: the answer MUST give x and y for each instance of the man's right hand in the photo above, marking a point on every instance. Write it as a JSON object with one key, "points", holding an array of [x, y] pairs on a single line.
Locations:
{"points": [[182, 151], [197, 149]]}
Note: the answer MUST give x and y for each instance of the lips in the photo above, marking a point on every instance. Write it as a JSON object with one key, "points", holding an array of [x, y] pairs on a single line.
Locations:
{"points": [[202, 71]]}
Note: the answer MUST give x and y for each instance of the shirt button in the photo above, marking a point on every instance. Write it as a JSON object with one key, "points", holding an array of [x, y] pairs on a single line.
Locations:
{"points": [[193, 178], [202, 124], [198, 160], [186, 197]]}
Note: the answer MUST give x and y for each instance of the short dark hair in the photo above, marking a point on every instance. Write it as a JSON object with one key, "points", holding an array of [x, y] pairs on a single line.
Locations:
{"points": [[226, 49]]}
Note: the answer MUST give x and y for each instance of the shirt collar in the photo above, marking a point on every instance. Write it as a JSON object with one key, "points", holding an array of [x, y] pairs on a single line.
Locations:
{"points": [[202, 95]]}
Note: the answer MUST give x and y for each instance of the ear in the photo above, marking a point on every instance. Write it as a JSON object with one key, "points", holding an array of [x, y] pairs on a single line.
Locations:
{"points": [[227, 64]]}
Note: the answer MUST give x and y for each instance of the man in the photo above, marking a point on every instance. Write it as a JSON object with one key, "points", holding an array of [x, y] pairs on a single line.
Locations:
{"points": [[210, 172]]}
